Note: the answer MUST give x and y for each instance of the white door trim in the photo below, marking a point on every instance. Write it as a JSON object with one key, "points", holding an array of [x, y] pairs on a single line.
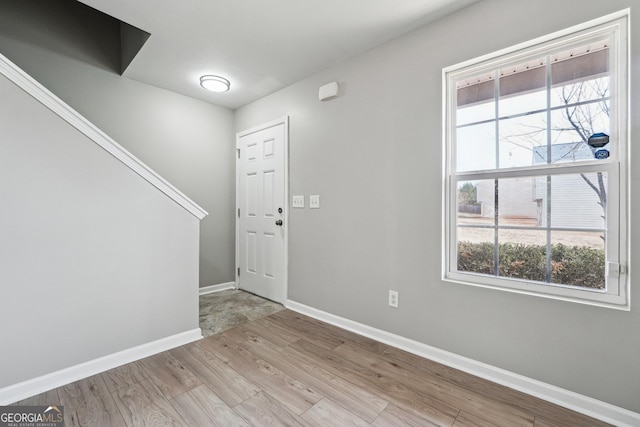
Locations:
{"points": [[282, 120]]}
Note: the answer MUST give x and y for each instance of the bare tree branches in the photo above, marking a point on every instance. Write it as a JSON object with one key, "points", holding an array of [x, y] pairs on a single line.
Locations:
{"points": [[580, 110], [582, 119]]}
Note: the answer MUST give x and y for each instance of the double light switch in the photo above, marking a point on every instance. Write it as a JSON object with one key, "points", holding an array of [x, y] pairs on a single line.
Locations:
{"points": [[298, 201]]}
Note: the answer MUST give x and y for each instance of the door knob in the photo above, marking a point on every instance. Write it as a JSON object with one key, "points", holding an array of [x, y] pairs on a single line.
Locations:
{"points": [[279, 222]]}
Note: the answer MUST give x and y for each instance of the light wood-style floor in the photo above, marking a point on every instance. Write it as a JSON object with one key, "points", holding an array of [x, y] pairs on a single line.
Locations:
{"points": [[288, 369]]}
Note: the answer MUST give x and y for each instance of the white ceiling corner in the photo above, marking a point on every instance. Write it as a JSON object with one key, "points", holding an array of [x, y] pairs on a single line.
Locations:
{"points": [[261, 46]]}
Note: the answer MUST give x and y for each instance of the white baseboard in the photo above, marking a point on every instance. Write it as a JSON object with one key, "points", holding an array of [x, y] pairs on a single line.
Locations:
{"points": [[32, 387], [216, 288], [577, 402]]}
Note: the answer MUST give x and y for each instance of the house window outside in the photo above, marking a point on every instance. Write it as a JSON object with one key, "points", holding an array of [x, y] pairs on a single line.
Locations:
{"points": [[530, 205]]}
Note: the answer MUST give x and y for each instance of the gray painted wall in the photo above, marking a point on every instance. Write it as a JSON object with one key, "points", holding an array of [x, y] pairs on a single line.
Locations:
{"points": [[93, 259], [188, 142], [374, 157]]}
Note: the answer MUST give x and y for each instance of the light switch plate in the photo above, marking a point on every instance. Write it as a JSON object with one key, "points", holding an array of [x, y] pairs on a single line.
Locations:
{"points": [[297, 201], [314, 201]]}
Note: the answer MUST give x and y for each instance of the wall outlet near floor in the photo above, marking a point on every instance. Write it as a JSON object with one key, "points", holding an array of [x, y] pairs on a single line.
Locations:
{"points": [[393, 299]]}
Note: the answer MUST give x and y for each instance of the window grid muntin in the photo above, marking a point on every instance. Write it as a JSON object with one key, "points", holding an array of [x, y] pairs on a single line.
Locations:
{"points": [[548, 228], [614, 30], [549, 110]]}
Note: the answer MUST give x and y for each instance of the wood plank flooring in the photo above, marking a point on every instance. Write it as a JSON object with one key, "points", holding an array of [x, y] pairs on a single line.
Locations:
{"points": [[291, 370]]}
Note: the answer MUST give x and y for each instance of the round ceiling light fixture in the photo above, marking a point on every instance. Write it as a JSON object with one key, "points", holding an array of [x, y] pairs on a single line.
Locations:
{"points": [[215, 83]]}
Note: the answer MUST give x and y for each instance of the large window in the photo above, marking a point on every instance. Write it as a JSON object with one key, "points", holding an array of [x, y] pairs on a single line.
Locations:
{"points": [[535, 167]]}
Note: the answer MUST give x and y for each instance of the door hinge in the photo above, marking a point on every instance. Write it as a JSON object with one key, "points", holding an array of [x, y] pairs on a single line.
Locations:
{"points": [[238, 212], [238, 271], [238, 152]]}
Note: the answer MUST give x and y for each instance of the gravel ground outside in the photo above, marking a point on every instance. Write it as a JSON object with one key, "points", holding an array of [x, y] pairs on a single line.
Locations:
{"points": [[524, 236]]}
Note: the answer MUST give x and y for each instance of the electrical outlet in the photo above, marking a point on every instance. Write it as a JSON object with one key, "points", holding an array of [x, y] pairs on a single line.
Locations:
{"points": [[393, 299], [314, 201]]}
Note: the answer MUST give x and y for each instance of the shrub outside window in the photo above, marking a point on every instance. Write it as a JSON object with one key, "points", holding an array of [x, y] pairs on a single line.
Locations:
{"points": [[536, 167]]}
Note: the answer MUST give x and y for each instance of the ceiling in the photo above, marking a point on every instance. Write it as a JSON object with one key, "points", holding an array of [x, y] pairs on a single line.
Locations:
{"points": [[261, 46]]}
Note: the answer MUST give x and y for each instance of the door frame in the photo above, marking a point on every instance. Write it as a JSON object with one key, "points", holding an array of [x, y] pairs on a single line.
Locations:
{"points": [[282, 120]]}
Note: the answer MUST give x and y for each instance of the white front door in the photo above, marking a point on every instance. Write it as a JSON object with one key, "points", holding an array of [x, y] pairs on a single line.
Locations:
{"points": [[261, 203]]}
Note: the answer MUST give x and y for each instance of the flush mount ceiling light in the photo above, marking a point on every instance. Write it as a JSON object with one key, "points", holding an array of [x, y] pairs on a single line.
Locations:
{"points": [[215, 83]]}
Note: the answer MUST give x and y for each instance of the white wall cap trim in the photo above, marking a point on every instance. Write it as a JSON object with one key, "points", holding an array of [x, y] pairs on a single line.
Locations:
{"points": [[577, 402], [32, 387], [75, 119]]}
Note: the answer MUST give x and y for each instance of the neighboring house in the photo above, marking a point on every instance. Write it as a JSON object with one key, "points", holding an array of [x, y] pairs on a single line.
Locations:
{"points": [[526, 197], [521, 204]]}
